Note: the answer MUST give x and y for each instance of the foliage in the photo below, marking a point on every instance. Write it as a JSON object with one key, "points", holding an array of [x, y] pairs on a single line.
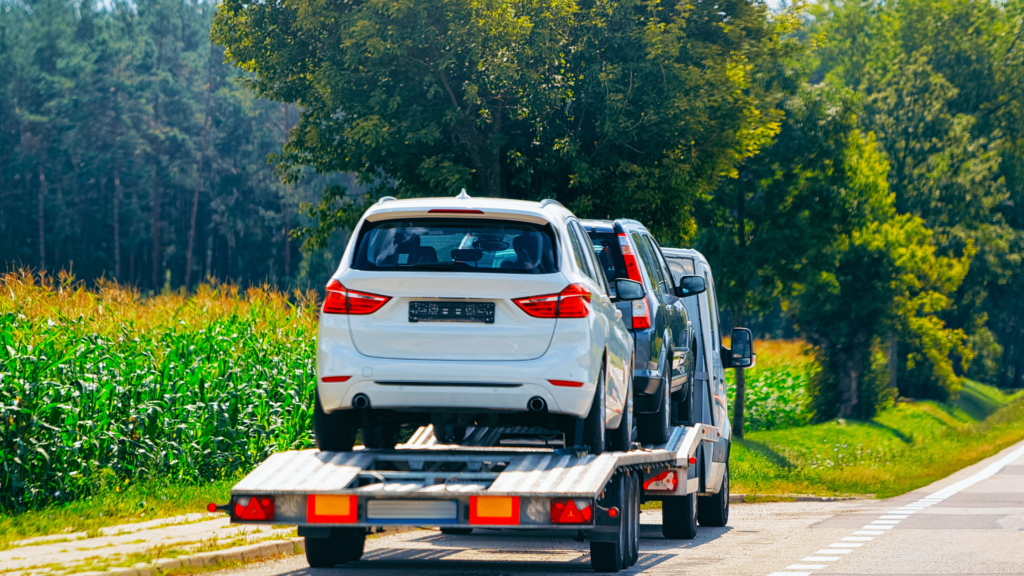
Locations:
{"points": [[104, 387], [614, 108], [776, 388]]}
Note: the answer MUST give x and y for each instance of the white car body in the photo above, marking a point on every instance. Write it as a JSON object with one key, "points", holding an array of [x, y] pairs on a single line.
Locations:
{"points": [[446, 367]]}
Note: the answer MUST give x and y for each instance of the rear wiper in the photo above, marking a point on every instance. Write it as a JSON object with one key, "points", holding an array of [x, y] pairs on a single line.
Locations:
{"points": [[435, 265]]}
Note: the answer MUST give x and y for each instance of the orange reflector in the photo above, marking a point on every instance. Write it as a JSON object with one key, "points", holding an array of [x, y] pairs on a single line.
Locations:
{"points": [[494, 510], [331, 509], [567, 511], [667, 481], [258, 508]]}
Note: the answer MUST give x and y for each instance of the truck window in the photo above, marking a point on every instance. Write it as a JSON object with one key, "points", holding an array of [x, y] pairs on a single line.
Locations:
{"points": [[650, 262], [661, 264], [716, 338], [680, 267]]}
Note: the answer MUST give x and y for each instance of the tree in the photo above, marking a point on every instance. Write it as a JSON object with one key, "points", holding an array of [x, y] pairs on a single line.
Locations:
{"points": [[626, 108]]}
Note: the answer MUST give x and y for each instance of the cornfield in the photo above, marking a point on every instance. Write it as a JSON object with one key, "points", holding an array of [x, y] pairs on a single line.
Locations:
{"points": [[776, 395], [102, 386]]}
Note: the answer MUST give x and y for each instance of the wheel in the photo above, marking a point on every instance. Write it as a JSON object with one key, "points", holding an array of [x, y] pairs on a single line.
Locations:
{"points": [[380, 436], [621, 440], [341, 546], [450, 434], [679, 517], [611, 556], [321, 553], [593, 427], [713, 511], [457, 531], [354, 541], [333, 432], [655, 428], [633, 532]]}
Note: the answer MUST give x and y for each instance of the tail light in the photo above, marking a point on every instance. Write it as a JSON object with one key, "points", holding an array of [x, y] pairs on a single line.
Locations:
{"points": [[632, 266], [341, 300], [569, 511], [259, 508], [572, 302], [641, 314], [667, 481]]}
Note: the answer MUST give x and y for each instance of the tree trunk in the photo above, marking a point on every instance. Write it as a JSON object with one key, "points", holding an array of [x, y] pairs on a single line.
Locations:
{"points": [[42, 217], [155, 231], [893, 361], [117, 220], [739, 403], [199, 184]]}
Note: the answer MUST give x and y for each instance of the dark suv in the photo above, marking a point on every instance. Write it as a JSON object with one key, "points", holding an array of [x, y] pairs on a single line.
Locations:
{"points": [[662, 331]]}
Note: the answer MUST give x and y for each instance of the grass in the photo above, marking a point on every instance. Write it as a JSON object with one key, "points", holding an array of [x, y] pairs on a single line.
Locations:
{"points": [[903, 448]]}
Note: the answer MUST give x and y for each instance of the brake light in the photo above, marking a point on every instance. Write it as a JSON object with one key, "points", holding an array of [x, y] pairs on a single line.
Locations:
{"points": [[341, 300], [259, 508], [667, 481], [641, 314], [494, 510], [632, 266], [569, 511], [453, 211], [331, 509], [572, 302]]}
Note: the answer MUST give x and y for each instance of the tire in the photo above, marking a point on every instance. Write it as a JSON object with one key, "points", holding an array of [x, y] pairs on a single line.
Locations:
{"points": [[333, 432], [655, 428], [713, 511], [609, 557], [633, 540], [457, 531], [679, 517], [321, 553], [621, 439], [380, 436], [352, 542], [594, 433], [343, 545]]}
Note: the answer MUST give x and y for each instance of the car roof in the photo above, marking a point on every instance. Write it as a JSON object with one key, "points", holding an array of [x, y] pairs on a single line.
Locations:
{"points": [[609, 225], [544, 211]]}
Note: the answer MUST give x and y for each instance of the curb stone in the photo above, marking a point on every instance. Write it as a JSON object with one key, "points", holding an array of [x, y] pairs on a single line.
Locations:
{"points": [[249, 553]]}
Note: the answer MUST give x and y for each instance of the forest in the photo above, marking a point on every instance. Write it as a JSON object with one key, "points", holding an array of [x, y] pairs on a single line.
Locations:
{"points": [[852, 170]]}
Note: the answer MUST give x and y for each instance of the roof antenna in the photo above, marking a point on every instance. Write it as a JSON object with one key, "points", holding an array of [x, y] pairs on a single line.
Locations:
{"points": [[462, 195]]}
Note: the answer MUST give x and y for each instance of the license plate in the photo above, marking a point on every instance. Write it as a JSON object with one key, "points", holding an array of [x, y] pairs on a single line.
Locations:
{"points": [[452, 312]]}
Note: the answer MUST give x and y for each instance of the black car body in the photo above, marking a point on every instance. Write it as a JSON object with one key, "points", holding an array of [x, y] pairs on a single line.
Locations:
{"points": [[663, 336]]}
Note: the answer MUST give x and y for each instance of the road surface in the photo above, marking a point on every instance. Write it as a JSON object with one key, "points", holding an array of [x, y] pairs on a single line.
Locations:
{"points": [[969, 523]]}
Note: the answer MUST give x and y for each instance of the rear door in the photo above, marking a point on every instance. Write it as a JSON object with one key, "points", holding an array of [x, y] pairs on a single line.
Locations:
{"points": [[452, 282]]}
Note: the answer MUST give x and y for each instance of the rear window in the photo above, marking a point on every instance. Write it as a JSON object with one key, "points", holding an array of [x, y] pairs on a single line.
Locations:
{"points": [[609, 255], [456, 244]]}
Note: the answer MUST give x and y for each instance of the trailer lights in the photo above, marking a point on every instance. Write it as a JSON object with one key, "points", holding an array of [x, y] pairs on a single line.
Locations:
{"points": [[667, 481], [693, 459], [569, 511], [257, 508], [613, 512], [331, 509], [502, 510]]}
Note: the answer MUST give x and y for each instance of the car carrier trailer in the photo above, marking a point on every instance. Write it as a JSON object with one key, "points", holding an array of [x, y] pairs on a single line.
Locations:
{"points": [[335, 497]]}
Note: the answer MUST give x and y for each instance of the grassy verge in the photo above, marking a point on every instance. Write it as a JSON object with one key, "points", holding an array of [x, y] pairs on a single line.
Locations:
{"points": [[903, 448]]}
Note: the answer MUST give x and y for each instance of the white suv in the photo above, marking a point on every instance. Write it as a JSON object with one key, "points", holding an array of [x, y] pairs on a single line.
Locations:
{"points": [[463, 312]]}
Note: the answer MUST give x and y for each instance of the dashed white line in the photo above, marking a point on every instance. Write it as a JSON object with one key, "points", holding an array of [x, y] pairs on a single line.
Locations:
{"points": [[805, 567], [894, 517], [833, 551], [859, 538], [868, 533], [845, 545], [821, 558], [877, 527]]}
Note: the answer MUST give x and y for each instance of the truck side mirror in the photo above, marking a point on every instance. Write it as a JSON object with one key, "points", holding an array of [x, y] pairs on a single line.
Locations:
{"points": [[742, 353], [690, 285], [626, 289]]}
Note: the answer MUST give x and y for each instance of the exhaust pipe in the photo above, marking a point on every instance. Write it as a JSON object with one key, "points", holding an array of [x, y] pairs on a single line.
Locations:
{"points": [[537, 404], [361, 402]]}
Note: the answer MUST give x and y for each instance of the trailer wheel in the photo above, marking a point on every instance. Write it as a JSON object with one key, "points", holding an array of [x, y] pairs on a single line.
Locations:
{"points": [[353, 543], [611, 557], [457, 531], [713, 511], [332, 432], [343, 545], [679, 517]]}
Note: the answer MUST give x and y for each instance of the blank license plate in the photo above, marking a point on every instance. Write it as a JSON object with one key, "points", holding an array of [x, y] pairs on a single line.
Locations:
{"points": [[452, 312]]}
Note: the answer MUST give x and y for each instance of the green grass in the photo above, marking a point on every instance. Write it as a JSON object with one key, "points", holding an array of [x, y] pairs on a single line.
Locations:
{"points": [[903, 448]]}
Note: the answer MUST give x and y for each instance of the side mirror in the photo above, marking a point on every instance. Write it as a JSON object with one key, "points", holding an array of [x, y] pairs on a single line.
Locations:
{"points": [[690, 285], [742, 353], [626, 289]]}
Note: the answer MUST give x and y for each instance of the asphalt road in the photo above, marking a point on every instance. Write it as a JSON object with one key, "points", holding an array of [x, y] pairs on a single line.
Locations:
{"points": [[969, 523]]}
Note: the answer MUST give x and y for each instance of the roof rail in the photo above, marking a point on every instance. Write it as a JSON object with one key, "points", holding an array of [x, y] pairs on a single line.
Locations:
{"points": [[385, 199], [549, 201]]}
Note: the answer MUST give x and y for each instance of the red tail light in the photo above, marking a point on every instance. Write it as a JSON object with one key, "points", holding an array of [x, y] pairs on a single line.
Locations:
{"points": [[641, 314], [568, 511], [572, 302], [341, 300], [632, 266], [453, 211], [260, 508], [667, 481]]}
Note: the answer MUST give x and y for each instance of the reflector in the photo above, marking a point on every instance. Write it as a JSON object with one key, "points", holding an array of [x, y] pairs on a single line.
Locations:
{"points": [[666, 481], [331, 509], [568, 511], [258, 508], [494, 510]]}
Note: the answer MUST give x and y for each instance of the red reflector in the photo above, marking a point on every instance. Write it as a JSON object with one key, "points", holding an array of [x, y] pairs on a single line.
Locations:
{"points": [[453, 211], [613, 512], [572, 302], [331, 509], [211, 507], [567, 383], [667, 481], [335, 378], [341, 300], [501, 510], [259, 508], [568, 511], [693, 460]]}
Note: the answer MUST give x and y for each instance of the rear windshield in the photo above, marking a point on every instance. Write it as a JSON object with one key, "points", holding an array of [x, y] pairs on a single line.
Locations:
{"points": [[456, 244], [609, 255]]}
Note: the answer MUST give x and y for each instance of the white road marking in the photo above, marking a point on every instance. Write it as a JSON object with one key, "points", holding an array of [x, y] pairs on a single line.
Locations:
{"points": [[988, 472], [805, 567], [790, 574], [868, 533], [877, 527], [859, 538], [845, 545], [826, 551], [894, 517], [821, 558], [889, 522]]}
